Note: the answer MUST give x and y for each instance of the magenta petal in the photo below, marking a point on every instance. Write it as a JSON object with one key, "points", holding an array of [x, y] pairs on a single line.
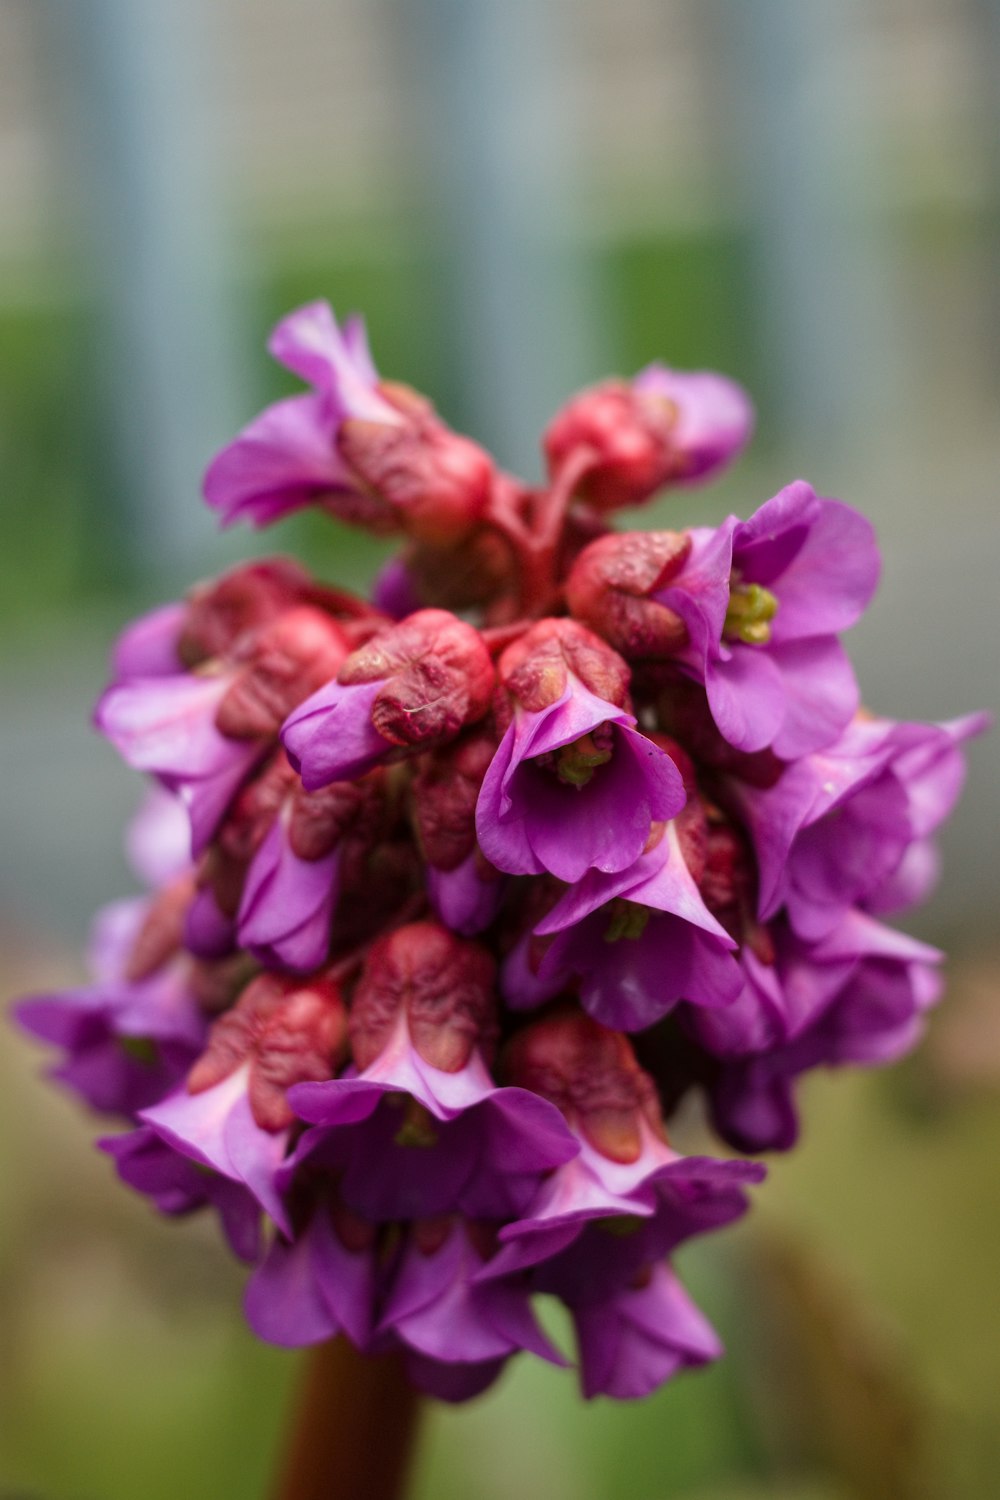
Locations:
{"points": [[158, 839], [462, 899], [714, 417], [452, 1383], [208, 933], [501, 829], [284, 459], [283, 1302], [288, 903], [746, 695], [832, 579], [821, 695], [338, 364], [635, 1342], [331, 737], [148, 647]]}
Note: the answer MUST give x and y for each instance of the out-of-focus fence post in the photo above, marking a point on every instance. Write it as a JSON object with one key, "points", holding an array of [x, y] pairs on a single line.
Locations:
{"points": [[521, 299], [139, 76], [809, 179]]}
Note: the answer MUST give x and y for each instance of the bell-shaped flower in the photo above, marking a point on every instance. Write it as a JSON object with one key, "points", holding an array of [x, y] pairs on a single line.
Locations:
{"points": [[574, 786], [625, 1178], [437, 1308], [859, 996], [419, 1128], [636, 943], [835, 828], [135, 1029], [232, 1114], [202, 733], [637, 1339], [763, 601]]}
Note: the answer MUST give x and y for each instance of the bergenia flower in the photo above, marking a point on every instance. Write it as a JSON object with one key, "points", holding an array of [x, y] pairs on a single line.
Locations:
{"points": [[363, 450], [834, 829], [763, 602], [419, 866], [420, 1128], [574, 785], [136, 1028], [638, 942], [232, 1113]]}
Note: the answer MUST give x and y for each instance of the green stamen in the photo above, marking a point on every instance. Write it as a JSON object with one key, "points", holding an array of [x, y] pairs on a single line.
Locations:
{"points": [[625, 920], [140, 1048], [575, 764], [751, 610]]}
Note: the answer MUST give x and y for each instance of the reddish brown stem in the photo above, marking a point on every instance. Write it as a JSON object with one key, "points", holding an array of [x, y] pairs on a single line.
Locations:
{"points": [[353, 1428]]}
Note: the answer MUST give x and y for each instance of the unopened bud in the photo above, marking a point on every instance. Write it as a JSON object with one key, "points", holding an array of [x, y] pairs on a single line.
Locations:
{"points": [[591, 1075], [161, 934], [535, 669], [289, 1030], [247, 598], [610, 587], [445, 986], [436, 677], [629, 435], [445, 790], [433, 481], [280, 666]]}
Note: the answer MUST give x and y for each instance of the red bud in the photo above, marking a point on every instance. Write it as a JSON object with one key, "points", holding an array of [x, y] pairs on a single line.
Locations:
{"points": [[437, 677], [610, 584], [281, 665], [591, 1074], [629, 433], [245, 599], [535, 668], [445, 986]]}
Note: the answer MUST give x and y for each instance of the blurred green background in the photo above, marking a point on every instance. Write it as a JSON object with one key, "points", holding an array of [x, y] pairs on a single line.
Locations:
{"points": [[519, 196]]}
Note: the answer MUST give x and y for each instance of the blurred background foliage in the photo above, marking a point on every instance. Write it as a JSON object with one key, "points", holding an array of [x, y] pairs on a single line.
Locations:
{"points": [[519, 196]]}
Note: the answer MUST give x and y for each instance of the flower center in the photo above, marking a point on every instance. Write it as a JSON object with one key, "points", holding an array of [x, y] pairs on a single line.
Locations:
{"points": [[417, 1128], [626, 919], [574, 764], [750, 612]]}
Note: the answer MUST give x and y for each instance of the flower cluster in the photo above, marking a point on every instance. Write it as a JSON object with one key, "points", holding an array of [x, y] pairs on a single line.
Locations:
{"points": [[455, 893]]}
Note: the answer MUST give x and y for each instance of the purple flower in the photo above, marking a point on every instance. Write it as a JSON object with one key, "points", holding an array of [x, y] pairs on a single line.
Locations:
{"points": [[318, 1284], [287, 457], [126, 1040], [288, 902], [176, 1186], [437, 1308], [640, 1337], [763, 601], [232, 1114], [638, 941], [149, 646], [713, 418], [624, 440], [166, 725], [467, 898], [858, 996], [158, 839], [217, 1129], [408, 1138], [574, 787], [834, 829]]}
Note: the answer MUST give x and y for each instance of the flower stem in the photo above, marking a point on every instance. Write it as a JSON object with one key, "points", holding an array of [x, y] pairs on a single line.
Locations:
{"points": [[352, 1429]]}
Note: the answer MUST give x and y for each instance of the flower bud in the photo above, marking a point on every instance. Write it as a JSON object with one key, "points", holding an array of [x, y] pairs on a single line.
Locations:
{"points": [[278, 667], [444, 984], [591, 1075], [290, 1030], [445, 790], [610, 585], [415, 684], [435, 482], [247, 598], [535, 669], [664, 427]]}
